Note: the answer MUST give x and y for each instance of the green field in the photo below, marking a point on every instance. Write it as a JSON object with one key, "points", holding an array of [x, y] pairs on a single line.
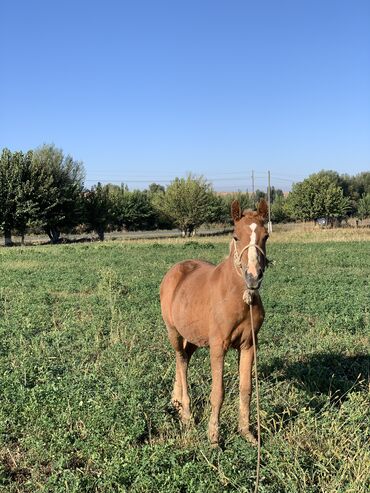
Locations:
{"points": [[86, 373]]}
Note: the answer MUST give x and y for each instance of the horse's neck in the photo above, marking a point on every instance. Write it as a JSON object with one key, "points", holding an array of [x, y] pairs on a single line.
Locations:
{"points": [[230, 274]]}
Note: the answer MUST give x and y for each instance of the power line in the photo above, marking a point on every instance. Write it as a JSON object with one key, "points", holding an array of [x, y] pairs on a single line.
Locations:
{"points": [[283, 179], [227, 182]]}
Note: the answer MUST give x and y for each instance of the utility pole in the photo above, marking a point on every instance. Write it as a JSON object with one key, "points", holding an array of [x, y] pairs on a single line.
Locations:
{"points": [[269, 224], [253, 197]]}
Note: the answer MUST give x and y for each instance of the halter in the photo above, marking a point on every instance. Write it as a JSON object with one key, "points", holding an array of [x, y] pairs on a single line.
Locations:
{"points": [[238, 256]]}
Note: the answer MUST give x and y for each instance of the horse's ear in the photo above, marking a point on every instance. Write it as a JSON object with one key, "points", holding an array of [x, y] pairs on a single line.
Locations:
{"points": [[236, 212], [262, 209]]}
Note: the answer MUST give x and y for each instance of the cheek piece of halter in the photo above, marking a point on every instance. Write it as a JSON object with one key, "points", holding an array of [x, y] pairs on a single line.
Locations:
{"points": [[238, 256]]}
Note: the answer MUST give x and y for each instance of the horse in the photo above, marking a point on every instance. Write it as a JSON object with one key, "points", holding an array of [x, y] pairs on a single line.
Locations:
{"points": [[204, 304]]}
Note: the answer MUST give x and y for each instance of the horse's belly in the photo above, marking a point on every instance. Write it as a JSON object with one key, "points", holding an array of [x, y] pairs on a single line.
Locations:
{"points": [[197, 339], [190, 315]]}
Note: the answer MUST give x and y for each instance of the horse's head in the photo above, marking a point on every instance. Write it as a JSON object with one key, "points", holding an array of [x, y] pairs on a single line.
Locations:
{"points": [[249, 243]]}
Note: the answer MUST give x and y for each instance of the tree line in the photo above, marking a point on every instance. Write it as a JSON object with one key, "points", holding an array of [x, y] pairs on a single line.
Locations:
{"points": [[43, 190]]}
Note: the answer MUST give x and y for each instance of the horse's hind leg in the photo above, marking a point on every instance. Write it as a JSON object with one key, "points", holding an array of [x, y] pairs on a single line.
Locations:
{"points": [[182, 363], [177, 342], [180, 395], [177, 388]]}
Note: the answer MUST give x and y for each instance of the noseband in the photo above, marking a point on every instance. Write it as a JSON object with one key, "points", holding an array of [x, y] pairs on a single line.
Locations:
{"points": [[238, 256]]}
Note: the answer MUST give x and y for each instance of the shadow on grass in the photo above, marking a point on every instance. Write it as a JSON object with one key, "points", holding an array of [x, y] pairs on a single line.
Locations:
{"points": [[326, 378], [326, 373]]}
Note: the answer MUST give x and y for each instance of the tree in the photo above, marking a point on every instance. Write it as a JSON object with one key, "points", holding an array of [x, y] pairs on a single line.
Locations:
{"points": [[131, 210], [9, 181], [363, 210], [26, 203], [244, 198], [278, 210], [298, 204], [217, 212], [188, 202], [161, 220], [361, 183], [23, 184], [359, 186], [275, 193], [259, 194], [138, 212], [317, 196], [354, 187], [97, 209], [156, 188], [61, 204]]}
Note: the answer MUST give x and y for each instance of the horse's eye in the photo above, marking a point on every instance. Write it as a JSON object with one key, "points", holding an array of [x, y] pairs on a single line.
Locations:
{"points": [[236, 238]]}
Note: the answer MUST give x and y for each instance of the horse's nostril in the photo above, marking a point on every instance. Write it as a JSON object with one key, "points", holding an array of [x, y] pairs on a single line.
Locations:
{"points": [[252, 281]]}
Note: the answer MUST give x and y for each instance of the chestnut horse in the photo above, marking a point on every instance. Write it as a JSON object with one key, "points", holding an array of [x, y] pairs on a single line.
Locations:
{"points": [[209, 305]]}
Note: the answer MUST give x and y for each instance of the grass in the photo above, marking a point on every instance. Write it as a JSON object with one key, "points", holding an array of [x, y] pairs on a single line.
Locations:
{"points": [[86, 372]]}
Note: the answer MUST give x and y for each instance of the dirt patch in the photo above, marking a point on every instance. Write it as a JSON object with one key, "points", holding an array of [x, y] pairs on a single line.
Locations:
{"points": [[12, 459]]}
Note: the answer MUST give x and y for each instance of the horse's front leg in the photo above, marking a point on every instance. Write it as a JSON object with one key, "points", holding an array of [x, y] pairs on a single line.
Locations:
{"points": [[217, 392], [245, 370]]}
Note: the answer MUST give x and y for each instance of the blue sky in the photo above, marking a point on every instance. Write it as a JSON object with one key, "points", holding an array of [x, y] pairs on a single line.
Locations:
{"points": [[148, 90]]}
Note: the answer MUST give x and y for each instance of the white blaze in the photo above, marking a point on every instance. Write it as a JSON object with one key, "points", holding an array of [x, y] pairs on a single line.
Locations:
{"points": [[252, 252]]}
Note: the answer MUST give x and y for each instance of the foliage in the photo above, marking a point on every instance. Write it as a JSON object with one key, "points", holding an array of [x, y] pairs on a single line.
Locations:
{"points": [[60, 204], [353, 187], [96, 209], [139, 210], [363, 210], [276, 194], [217, 212], [161, 219], [244, 198], [189, 202], [155, 188], [357, 185], [259, 194], [43, 189], [317, 196], [278, 210], [22, 184], [131, 209], [9, 180], [87, 371]]}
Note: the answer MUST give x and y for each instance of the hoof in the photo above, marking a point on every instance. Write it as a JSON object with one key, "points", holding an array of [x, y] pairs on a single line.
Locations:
{"points": [[248, 435], [213, 437], [176, 404], [215, 445], [185, 417], [185, 420]]}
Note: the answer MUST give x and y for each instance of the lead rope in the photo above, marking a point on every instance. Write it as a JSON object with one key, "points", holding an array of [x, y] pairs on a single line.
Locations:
{"points": [[250, 299]]}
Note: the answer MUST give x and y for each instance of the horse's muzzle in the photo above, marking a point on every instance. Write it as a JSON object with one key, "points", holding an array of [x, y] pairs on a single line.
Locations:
{"points": [[253, 282]]}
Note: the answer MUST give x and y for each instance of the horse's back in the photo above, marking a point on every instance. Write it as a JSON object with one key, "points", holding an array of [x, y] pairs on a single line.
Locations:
{"points": [[180, 272]]}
